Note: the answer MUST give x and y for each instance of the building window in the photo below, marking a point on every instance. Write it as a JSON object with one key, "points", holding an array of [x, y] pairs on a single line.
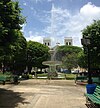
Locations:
{"points": [[45, 43], [69, 43], [66, 43], [48, 44]]}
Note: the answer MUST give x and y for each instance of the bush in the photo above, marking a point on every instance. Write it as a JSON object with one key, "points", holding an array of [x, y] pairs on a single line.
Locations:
{"points": [[30, 76], [25, 76]]}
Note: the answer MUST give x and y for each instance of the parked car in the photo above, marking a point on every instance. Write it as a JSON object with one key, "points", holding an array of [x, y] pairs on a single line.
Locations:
{"points": [[75, 71]]}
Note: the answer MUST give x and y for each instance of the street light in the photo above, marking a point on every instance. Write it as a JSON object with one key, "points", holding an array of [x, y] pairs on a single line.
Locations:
{"points": [[86, 42]]}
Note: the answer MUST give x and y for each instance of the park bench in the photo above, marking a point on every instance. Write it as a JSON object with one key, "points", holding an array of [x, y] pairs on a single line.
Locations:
{"points": [[96, 80], [12, 78], [80, 78], [3, 79], [7, 77], [93, 100]]}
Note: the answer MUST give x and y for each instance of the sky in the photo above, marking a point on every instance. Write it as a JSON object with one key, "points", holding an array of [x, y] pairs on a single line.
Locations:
{"points": [[57, 19]]}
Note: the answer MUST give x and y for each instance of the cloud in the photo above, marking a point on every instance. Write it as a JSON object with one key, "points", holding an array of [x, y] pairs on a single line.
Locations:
{"points": [[67, 25], [58, 22], [34, 37], [86, 15], [46, 15], [50, 0], [36, 1], [25, 4], [64, 24], [23, 27], [41, 0], [90, 10]]}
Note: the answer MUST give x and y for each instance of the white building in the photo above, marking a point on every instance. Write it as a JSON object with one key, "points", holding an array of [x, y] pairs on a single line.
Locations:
{"points": [[68, 41], [47, 42]]}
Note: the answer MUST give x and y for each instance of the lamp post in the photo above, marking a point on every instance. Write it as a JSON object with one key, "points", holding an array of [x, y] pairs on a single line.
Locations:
{"points": [[86, 42]]}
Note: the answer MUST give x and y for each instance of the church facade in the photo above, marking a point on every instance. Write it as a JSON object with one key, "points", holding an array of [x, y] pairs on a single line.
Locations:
{"points": [[67, 41]]}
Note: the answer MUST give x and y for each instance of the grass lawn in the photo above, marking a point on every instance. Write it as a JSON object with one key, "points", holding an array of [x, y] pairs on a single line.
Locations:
{"points": [[68, 76], [42, 75]]}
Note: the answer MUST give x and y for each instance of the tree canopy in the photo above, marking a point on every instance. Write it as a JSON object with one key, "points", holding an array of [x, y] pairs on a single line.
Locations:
{"points": [[36, 54], [82, 60], [93, 33], [11, 20], [19, 53], [69, 56]]}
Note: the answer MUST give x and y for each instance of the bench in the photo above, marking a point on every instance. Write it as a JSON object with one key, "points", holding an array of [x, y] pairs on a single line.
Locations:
{"points": [[80, 78], [96, 80], [3, 79], [93, 100]]}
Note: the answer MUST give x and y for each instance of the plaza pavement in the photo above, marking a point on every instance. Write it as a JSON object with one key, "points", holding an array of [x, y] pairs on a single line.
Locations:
{"points": [[37, 93]]}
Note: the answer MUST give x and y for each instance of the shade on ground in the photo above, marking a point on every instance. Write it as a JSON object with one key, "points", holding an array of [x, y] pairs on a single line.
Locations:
{"points": [[42, 94]]}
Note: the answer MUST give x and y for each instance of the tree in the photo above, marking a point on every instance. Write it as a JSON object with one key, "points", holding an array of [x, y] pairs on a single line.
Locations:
{"points": [[19, 54], [10, 21], [93, 32], [36, 54], [10, 25], [69, 56], [17, 57], [70, 61], [82, 60]]}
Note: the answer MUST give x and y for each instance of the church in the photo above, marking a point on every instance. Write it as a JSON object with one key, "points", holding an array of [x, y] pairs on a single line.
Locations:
{"points": [[48, 41]]}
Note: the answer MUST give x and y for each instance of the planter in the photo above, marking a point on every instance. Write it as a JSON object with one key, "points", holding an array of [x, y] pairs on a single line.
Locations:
{"points": [[90, 88]]}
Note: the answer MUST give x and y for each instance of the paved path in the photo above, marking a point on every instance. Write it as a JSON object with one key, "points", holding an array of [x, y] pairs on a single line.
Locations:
{"points": [[42, 94]]}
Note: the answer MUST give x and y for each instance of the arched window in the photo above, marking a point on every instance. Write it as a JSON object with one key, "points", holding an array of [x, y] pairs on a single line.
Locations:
{"points": [[45, 43], [66, 43], [69, 43]]}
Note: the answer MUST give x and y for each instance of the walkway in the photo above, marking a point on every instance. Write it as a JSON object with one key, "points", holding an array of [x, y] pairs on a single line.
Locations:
{"points": [[42, 94]]}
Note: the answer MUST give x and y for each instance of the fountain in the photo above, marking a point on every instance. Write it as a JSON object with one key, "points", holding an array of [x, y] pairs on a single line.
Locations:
{"points": [[53, 63]]}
